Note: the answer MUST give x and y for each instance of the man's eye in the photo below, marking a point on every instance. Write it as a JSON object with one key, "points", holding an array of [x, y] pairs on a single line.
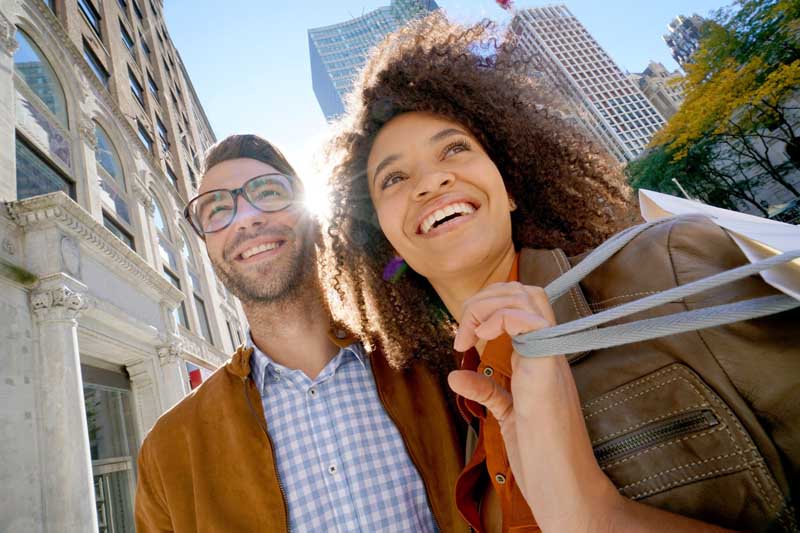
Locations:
{"points": [[265, 194], [218, 209], [392, 179]]}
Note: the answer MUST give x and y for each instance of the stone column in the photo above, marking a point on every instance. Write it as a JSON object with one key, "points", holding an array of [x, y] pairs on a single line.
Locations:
{"points": [[145, 395], [8, 45], [173, 370], [66, 465]]}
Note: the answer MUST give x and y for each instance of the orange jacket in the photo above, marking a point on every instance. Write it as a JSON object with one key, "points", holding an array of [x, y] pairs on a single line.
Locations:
{"points": [[208, 464]]}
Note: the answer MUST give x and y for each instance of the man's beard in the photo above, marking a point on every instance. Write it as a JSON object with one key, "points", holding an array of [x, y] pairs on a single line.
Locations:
{"points": [[277, 280]]}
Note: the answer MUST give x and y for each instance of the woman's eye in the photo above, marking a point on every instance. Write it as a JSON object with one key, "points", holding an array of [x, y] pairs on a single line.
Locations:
{"points": [[392, 179], [455, 148]]}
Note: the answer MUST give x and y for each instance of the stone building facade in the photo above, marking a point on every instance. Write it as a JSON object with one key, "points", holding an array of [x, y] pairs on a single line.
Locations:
{"points": [[110, 310]]}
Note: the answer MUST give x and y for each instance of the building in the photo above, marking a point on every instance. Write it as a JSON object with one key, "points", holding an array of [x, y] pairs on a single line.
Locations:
{"points": [[683, 37], [339, 51], [605, 102], [661, 87], [111, 312]]}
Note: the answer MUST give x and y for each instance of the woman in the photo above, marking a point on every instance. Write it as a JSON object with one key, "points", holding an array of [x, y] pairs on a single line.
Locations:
{"points": [[450, 162]]}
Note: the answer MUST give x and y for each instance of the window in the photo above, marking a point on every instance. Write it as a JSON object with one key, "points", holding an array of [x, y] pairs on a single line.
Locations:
{"points": [[126, 37], [205, 330], [112, 443], [91, 15], [147, 141], [116, 216], [152, 86], [136, 87], [234, 343], [196, 289], [95, 64], [169, 263], [172, 177], [121, 233], [162, 134], [36, 175], [137, 9], [31, 65], [145, 48]]}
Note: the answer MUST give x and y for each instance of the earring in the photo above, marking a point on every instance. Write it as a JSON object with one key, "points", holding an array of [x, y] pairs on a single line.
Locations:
{"points": [[512, 204], [395, 269]]}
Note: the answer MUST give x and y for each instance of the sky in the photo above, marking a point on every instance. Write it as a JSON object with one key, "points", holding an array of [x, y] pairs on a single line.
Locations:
{"points": [[249, 61]]}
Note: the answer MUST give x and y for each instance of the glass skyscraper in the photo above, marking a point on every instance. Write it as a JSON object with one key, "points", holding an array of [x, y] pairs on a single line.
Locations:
{"points": [[340, 50], [604, 101]]}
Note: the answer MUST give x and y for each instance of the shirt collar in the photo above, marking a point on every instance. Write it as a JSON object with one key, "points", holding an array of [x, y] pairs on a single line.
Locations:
{"points": [[262, 365]]}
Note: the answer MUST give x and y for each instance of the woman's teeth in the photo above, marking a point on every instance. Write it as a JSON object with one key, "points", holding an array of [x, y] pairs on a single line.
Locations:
{"points": [[441, 215]]}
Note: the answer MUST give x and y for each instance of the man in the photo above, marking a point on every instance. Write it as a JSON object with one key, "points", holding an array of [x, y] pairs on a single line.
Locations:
{"points": [[301, 429]]}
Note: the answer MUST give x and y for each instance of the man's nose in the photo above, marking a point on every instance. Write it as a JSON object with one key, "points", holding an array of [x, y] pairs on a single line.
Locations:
{"points": [[247, 216]]}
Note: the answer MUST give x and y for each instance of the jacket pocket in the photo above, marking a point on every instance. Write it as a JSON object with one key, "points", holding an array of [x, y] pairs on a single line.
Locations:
{"points": [[669, 440]]}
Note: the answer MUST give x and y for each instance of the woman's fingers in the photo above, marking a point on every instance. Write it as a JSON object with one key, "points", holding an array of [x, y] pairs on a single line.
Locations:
{"points": [[510, 321], [484, 390], [529, 308]]}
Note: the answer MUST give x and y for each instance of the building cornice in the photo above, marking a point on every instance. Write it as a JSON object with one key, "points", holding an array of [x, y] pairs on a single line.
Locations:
{"points": [[57, 209]]}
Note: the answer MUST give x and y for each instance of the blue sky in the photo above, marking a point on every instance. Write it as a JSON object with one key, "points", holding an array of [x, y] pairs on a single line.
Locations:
{"points": [[249, 61]]}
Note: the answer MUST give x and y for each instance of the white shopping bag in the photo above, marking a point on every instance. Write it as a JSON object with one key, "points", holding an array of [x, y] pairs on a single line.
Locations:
{"points": [[759, 238]]}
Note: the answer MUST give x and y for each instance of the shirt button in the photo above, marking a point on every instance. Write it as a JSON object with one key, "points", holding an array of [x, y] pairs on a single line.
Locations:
{"points": [[312, 392], [500, 478], [488, 371], [275, 378], [332, 470]]}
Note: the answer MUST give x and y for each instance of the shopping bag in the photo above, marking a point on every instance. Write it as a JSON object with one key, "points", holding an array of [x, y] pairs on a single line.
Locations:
{"points": [[773, 249], [758, 238]]}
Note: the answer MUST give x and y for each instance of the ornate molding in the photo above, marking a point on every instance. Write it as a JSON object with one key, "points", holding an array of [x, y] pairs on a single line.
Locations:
{"points": [[144, 198], [57, 209], [87, 131], [8, 43], [170, 353], [60, 303]]}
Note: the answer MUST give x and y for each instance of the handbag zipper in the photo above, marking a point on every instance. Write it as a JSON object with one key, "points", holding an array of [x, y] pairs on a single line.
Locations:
{"points": [[655, 433], [272, 449]]}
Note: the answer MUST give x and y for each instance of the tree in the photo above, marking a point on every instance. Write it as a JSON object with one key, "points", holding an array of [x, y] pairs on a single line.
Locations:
{"points": [[741, 97]]}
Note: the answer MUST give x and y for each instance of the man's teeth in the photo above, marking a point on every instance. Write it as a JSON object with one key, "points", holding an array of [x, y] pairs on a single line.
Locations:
{"points": [[258, 249], [461, 208]]}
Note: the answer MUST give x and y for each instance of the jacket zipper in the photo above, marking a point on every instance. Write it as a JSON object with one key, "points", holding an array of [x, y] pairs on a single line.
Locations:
{"points": [[408, 451], [274, 461], [655, 433]]}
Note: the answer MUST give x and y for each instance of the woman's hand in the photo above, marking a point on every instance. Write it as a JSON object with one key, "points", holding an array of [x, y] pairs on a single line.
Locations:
{"points": [[541, 420], [542, 424]]}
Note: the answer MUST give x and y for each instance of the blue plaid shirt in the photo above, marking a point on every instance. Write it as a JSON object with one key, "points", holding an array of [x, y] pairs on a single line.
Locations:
{"points": [[342, 462]]}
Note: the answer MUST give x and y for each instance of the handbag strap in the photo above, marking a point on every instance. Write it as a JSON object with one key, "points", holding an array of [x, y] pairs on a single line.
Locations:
{"points": [[577, 336]]}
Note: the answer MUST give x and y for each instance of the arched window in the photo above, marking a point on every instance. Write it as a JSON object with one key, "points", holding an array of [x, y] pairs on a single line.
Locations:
{"points": [[169, 263], [32, 66], [197, 289], [116, 216]]}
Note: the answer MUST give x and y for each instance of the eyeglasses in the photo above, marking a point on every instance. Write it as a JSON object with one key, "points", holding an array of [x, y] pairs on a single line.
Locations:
{"points": [[215, 210]]}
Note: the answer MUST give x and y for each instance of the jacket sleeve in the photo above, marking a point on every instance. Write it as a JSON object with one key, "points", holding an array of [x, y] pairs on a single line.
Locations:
{"points": [[761, 357], [151, 513]]}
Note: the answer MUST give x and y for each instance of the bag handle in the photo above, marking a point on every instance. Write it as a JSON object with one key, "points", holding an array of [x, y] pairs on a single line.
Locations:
{"points": [[578, 335]]}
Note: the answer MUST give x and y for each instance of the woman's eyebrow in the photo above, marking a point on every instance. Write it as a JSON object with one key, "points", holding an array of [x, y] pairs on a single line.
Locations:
{"points": [[446, 133], [383, 164]]}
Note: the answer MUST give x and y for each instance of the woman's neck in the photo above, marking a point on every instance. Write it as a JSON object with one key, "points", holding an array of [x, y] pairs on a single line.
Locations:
{"points": [[455, 290]]}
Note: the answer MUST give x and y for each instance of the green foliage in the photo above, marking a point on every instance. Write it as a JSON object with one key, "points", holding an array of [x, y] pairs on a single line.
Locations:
{"points": [[738, 93]]}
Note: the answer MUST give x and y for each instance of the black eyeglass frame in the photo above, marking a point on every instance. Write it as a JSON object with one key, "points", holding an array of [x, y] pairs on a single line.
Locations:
{"points": [[236, 193]]}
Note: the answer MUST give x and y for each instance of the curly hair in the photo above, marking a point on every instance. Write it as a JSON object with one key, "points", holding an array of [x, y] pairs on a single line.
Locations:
{"points": [[568, 191]]}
